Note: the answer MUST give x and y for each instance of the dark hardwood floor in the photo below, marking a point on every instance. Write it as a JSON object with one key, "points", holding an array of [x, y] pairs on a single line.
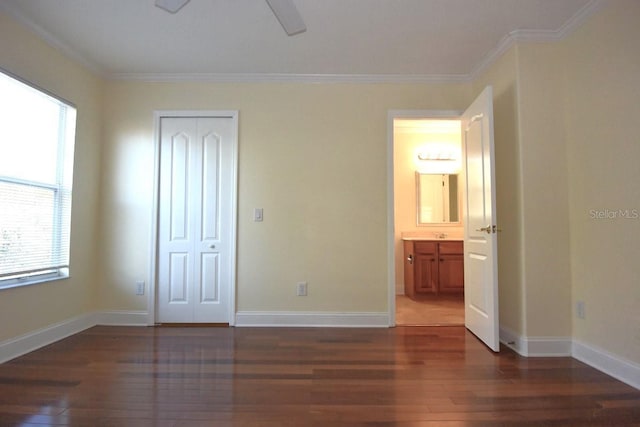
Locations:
{"points": [[428, 376]]}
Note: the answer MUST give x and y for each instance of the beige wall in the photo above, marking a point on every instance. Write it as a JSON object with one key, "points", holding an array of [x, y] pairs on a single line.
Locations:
{"points": [[565, 147], [30, 308], [545, 191], [602, 108], [314, 156]]}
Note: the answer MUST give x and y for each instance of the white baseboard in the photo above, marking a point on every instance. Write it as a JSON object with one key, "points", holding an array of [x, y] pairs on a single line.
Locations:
{"points": [[121, 318], [315, 319], [23, 344], [548, 346], [619, 368], [34, 340], [513, 341], [536, 346]]}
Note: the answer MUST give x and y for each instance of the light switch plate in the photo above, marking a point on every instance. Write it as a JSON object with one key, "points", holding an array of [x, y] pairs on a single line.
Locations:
{"points": [[257, 215], [140, 287]]}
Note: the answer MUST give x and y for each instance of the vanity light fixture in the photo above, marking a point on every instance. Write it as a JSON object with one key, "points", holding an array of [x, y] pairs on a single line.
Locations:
{"points": [[436, 156]]}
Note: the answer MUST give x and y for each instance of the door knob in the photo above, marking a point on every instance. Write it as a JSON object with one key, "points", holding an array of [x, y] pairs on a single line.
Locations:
{"points": [[490, 229], [410, 259], [212, 246]]}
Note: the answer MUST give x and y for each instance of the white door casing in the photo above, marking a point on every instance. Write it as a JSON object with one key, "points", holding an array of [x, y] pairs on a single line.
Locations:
{"points": [[196, 219], [480, 225]]}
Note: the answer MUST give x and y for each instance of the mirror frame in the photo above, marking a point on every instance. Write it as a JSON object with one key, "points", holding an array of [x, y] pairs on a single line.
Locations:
{"points": [[418, 204]]}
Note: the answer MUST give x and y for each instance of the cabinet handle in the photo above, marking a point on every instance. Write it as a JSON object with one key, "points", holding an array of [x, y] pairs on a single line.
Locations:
{"points": [[410, 259]]}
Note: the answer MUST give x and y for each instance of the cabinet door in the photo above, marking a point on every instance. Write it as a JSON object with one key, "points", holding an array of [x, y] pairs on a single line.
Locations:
{"points": [[451, 273], [451, 267], [426, 273], [426, 267]]}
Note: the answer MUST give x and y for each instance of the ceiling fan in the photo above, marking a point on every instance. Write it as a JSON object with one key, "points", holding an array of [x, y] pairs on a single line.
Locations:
{"points": [[284, 10]]}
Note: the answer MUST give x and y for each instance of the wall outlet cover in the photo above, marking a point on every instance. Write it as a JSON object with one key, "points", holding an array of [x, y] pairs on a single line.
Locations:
{"points": [[301, 289]]}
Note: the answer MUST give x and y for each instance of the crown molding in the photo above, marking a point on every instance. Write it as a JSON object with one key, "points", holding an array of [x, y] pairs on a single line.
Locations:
{"points": [[580, 17], [536, 36], [290, 78], [52, 40], [489, 58]]}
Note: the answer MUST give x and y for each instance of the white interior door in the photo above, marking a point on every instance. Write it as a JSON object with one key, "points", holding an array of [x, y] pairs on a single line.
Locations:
{"points": [[480, 226], [195, 226]]}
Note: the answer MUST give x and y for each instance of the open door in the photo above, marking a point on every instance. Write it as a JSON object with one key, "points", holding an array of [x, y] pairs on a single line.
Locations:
{"points": [[480, 226]]}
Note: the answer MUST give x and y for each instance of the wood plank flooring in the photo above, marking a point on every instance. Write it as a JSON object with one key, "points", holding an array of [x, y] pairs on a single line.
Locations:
{"points": [[428, 376]]}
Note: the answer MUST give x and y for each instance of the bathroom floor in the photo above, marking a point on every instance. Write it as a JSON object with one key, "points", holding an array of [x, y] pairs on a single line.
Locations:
{"points": [[429, 311]]}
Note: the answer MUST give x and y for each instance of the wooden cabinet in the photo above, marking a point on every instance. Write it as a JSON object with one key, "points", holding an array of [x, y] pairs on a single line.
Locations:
{"points": [[433, 267], [425, 267]]}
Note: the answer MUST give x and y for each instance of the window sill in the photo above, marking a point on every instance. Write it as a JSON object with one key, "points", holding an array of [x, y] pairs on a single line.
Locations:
{"points": [[17, 283]]}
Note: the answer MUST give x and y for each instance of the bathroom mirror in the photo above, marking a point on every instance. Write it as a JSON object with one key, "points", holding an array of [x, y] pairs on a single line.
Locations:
{"points": [[437, 198]]}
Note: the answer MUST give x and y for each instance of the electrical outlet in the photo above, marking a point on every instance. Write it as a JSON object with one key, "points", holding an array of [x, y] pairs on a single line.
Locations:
{"points": [[140, 287], [301, 289], [580, 309]]}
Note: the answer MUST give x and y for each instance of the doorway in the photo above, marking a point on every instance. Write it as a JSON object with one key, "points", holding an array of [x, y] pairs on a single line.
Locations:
{"points": [[479, 217], [427, 197], [195, 218]]}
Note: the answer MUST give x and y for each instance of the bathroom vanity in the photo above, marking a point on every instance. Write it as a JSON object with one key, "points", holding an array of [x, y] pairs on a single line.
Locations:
{"points": [[433, 267]]}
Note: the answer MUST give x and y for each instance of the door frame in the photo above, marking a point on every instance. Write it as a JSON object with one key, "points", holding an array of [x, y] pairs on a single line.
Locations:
{"points": [[391, 253], [158, 115]]}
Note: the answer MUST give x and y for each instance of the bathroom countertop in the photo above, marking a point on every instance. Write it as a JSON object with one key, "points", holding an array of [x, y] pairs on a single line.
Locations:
{"points": [[448, 238]]}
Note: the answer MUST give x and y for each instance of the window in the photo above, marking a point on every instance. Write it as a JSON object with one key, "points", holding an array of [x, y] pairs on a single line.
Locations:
{"points": [[37, 133]]}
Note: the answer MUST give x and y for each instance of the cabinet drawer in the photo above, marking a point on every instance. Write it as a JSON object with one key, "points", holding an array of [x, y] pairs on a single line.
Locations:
{"points": [[424, 247], [451, 247]]}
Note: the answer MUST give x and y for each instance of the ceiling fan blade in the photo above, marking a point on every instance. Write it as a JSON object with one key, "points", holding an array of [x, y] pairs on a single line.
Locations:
{"points": [[171, 6], [288, 16]]}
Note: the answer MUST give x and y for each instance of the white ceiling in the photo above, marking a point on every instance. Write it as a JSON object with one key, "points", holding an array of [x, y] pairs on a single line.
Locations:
{"points": [[399, 39]]}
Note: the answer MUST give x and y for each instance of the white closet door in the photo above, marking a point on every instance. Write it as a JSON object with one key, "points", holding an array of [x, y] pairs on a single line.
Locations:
{"points": [[195, 220]]}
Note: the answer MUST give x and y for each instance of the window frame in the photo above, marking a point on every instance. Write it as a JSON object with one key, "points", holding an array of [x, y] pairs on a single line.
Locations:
{"points": [[65, 149]]}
